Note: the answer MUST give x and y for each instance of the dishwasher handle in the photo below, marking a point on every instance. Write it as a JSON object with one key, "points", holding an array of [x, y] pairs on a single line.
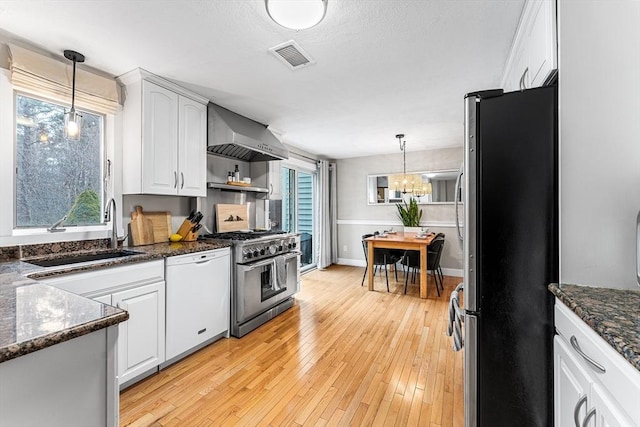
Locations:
{"points": [[197, 257]]}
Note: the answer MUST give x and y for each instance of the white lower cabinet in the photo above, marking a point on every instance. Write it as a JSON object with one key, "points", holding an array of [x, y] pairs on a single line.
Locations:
{"points": [[141, 338], [603, 392], [571, 384], [140, 290]]}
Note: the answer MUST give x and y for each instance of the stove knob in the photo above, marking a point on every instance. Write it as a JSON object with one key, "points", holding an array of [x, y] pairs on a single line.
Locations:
{"points": [[262, 251], [280, 248], [255, 254], [294, 244], [273, 249], [249, 254], [289, 245]]}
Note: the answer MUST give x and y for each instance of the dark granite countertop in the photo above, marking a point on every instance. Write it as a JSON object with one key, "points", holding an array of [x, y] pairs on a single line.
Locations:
{"points": [[614, 314], [34, 316]]}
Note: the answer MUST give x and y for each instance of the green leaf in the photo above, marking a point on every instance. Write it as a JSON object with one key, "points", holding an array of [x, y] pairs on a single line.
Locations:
{"points": [[409, 214]]}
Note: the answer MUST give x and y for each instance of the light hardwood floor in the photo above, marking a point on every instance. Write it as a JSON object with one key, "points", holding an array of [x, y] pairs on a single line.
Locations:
{"points": [[341, 356]]}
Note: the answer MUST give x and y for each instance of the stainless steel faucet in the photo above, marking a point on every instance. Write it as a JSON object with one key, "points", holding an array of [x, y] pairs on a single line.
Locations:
{"points": [[111, 214], [54, 228]]}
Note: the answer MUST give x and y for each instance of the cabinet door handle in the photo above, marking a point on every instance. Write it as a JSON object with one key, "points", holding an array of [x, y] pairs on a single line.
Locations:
{"points": [[175, 179], [591, 413], [576, 347], [576, 410], [523, 86], [181, 180], [270, 189]]}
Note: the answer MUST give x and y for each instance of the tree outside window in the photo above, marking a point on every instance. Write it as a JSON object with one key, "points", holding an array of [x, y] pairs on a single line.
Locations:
{"points": [[55, 176]]}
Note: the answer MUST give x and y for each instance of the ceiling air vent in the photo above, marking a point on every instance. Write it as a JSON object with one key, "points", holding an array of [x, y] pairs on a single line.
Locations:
{"points": [[292, 54]]}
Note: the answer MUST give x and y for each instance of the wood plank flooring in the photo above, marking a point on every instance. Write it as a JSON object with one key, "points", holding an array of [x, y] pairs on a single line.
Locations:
{"points": [[341, 356]]}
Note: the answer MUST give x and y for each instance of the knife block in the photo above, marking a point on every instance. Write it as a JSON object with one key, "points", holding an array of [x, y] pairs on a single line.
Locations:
{"points": [[185, 229], [190, 237]]}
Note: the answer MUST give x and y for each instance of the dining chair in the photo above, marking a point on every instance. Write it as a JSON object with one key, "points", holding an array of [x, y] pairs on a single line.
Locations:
{"points": [[411, 260], [381, 257]]}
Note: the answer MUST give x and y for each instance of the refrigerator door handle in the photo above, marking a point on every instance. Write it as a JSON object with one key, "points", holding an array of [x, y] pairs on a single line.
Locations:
{"points": [[457, 197]]}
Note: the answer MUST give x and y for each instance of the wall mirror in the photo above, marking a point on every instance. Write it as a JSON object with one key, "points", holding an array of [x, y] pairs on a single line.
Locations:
{"points": [[430, 187]]}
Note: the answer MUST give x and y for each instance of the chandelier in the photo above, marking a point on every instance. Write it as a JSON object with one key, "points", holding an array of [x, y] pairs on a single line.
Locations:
{"points": [[412, 183]]}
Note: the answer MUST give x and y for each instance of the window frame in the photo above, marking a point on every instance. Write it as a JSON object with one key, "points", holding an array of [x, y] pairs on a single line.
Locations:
{"points": [[9, 234], [307, 167]]}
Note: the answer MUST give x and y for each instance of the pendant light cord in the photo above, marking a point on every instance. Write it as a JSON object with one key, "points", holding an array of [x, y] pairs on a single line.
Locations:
{"points": [[73, 87]]}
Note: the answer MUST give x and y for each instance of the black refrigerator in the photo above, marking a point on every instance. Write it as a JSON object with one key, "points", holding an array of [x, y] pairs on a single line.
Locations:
{"points": [[510, 255]]}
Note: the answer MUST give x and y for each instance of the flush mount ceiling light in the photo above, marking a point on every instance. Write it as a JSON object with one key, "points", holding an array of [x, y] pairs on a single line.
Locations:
{"points": [[296, 14], [72, 119]]}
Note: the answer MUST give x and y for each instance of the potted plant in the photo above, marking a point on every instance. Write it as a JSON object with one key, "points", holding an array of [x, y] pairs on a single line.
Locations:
{"points": [[410, 215]]}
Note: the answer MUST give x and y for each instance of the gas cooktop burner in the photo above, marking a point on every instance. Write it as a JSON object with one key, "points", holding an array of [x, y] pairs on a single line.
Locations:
{"points": [[242, 235]]}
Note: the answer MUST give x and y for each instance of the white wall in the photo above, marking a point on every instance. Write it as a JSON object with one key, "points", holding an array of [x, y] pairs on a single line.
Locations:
{"points": [[599, 81], [356, 217]]}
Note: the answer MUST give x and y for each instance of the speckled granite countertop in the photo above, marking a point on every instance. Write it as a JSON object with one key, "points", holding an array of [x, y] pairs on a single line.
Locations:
{"points": [[34, 316], [613, 313]]}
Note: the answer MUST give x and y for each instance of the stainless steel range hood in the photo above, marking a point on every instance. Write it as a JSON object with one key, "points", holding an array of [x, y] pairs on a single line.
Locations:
{"points": [[237, 137]]}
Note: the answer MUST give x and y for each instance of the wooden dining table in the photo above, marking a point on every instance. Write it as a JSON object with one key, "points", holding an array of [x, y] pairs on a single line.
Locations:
{"points": [[400, 240]]}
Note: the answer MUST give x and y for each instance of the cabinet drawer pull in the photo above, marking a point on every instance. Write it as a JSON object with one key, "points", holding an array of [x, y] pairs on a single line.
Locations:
{"points": [[591, 413], [202, 331], [576, 410], [576, 347]]}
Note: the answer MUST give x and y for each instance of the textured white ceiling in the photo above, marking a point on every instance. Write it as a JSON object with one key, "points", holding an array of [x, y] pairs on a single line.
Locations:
{"points": [[382, 66]]}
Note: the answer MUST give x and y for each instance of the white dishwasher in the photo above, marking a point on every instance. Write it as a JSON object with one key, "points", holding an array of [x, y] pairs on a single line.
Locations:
{"points": [[197, 299]]}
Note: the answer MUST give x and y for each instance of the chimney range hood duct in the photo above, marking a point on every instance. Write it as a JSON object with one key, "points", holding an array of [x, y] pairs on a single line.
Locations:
{"points": [[237, 137]]}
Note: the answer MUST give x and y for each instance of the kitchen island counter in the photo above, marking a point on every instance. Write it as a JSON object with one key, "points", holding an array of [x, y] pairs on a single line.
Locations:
{"points": [[612, 313]]}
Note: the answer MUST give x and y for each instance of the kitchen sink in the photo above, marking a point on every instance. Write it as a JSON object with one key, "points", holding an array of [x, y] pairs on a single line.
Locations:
{"points": [[78, 258]]}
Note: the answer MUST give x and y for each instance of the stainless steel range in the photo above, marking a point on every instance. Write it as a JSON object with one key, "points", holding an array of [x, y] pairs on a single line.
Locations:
{"points": [[266, 274]]}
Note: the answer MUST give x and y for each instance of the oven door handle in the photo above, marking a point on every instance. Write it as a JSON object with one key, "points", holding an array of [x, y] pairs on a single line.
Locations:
{"points": [[291, 255], [259, 264]]}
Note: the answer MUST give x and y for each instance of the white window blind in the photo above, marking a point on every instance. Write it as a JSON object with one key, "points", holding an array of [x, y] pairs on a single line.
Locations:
{"points": [[41, 75]]}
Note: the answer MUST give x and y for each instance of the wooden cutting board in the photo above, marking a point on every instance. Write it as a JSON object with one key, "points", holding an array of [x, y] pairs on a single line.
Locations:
{"points": [[231, 218], [161, 225], [141, 228]]}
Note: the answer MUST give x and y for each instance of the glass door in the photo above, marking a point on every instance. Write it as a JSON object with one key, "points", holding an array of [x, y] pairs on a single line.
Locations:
{"points": [[298, 210]]}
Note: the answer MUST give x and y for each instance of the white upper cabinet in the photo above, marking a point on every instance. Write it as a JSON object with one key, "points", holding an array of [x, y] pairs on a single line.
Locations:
{"points": [[159, 140], [192, 147], [533, 55], [165, 137]]}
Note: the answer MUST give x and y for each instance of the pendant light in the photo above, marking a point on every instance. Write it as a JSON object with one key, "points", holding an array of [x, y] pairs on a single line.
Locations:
{"points": [[403, 145], [296, 14], [73, 119]]}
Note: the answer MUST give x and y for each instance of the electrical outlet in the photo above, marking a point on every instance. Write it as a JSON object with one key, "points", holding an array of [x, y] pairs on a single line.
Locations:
{"points": [[344, 248]]}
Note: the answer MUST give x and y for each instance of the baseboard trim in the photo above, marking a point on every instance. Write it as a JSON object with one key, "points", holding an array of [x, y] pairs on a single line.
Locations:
{"points": [[352, 262]]}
